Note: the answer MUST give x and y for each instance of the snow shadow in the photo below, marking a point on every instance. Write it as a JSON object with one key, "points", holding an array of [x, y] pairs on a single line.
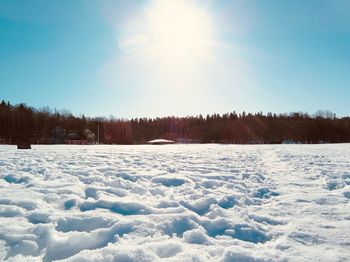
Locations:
{"points": [[125, 209]]}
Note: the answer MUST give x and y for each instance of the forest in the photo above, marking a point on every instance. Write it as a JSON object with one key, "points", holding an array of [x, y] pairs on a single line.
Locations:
{"points": [[20, 123]]}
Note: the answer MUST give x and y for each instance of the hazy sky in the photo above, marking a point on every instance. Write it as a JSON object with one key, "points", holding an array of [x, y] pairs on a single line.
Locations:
{"points": [[176, 57]]}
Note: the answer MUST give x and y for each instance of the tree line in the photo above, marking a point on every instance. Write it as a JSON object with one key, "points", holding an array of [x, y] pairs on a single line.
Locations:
{"points": [[20, 123]]}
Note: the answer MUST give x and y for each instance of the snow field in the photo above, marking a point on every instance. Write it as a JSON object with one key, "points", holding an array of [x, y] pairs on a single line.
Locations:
{"points": [[175, 203]]}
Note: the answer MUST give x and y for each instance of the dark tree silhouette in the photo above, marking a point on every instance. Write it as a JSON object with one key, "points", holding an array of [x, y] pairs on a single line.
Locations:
{"points": [[20, 123]]}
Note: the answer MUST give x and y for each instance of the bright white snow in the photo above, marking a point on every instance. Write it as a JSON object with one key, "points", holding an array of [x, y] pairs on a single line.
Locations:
{"points": [[175, 203]]}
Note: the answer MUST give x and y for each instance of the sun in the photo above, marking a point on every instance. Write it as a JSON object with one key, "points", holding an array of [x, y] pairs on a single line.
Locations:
{"points": [[178, 30], [170, 33]]}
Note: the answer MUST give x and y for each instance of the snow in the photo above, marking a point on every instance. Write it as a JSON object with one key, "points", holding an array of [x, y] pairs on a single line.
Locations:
{"points": [[175, 203]]}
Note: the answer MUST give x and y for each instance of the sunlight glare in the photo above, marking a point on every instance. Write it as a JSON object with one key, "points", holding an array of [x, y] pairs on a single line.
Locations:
{"points": [[178, 30]]}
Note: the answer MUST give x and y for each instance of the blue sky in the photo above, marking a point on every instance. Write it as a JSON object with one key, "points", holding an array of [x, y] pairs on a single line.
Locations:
{"points": [[87, 57]]}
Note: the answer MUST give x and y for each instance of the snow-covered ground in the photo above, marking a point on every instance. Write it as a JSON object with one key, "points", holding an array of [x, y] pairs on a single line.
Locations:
{"points": [[175, 203]]}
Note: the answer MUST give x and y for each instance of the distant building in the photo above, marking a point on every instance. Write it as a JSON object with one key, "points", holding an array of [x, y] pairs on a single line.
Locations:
{"points": [[74, 139], [72, 135], [160, 142]]}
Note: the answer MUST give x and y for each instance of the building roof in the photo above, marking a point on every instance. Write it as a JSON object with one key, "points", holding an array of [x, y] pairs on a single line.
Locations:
{"points": [[160, 141]]}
